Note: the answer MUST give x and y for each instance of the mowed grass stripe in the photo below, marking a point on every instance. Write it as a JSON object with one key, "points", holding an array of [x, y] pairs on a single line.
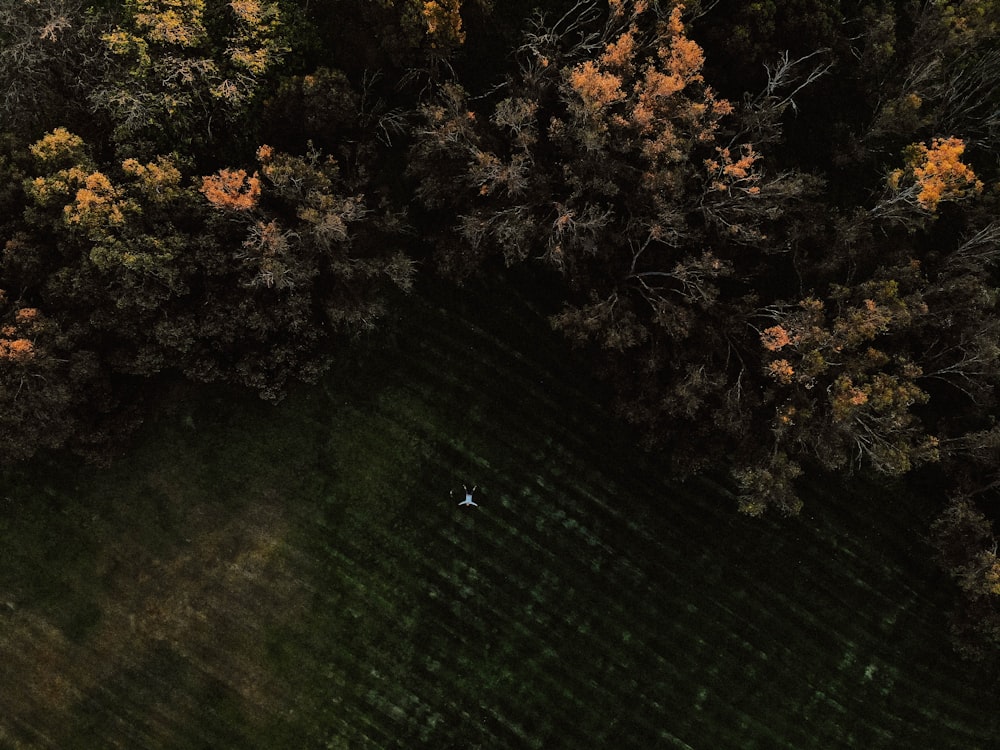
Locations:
{"points": [[846, 640], [586, 602], [915, 685], [473, 381], [813, 623], [465, 550]]}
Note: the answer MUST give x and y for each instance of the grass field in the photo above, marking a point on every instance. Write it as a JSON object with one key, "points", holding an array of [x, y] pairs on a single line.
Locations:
{"points": [[300, 576]]}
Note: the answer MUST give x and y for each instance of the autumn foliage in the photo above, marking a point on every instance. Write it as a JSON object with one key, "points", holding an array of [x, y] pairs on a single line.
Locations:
{"points": [[231, 189], [795, 279], [935, 173]]}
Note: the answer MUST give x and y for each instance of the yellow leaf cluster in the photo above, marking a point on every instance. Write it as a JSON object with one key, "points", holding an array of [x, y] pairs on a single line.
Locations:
{"points": [[846, 398], [56, 187], [254, 60], [992, 575], [443, 22], [58, 146], [254, 46], [175, 22], [173, 79], [890, 393], [159, 180], [248, 11], [96, 204]]}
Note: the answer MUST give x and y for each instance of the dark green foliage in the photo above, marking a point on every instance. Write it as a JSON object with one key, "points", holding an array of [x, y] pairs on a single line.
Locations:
{"points": [[966, 548]]}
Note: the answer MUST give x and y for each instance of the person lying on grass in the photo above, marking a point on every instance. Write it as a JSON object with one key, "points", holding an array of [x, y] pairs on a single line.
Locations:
{"points": [[468, 496]]}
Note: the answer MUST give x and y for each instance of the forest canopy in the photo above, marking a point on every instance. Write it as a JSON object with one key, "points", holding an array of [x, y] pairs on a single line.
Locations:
{"points": [[770, 227]]}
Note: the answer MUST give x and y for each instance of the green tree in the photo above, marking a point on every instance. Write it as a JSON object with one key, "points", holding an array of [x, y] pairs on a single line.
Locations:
{"points": [[52, 392], [967, 549]]}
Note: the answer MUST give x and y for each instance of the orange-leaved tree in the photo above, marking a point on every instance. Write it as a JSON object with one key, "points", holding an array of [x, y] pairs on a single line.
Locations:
{"points": [[231, 189], [49, 392], [931, 175], [611, 160], [843, 383]]}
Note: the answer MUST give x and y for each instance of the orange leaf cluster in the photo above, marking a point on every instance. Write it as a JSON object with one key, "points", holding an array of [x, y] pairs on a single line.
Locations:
{"points": [[726, 173], [597, 88], [685, 57], [774, 338], [27, 315], [231, 189], [641, 83], [621, 52], [16, 350], [786, 416], [267, 238], [941, 174], [781, 370], [265, 153], [96, 204]]}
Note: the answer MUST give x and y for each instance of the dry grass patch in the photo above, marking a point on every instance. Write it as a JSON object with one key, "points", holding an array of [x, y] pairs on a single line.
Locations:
{"points": [[211, 599]]}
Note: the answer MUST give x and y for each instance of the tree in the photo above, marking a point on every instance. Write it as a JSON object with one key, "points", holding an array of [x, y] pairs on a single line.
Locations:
{"points": [[50, 58], [611, 160], [967, 549], [739, 319], [51, 392], [246, 278], [932, 175], [843, 390], [945, 78], [176, 71]]}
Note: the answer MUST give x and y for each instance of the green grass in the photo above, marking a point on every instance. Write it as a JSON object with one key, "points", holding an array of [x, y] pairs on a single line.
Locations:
{"points": [[299, 576]]}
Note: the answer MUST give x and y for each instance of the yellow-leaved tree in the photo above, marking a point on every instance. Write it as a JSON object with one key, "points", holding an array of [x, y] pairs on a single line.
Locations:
{"points": [[175, 71]]}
